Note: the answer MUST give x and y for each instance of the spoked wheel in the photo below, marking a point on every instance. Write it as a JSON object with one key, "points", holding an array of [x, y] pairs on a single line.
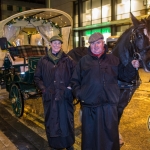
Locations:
{"points": [[17, 100]]}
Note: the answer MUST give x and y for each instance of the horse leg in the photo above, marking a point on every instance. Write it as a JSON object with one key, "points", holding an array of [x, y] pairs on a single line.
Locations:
{"points": [[124, 99]]}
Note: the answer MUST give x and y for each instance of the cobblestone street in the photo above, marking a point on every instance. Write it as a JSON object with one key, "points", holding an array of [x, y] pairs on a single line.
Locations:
{"points": [[134, 123]]}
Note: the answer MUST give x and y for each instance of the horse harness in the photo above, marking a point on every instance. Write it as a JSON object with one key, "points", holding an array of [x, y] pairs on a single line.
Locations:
{"points": [[136, 54]]}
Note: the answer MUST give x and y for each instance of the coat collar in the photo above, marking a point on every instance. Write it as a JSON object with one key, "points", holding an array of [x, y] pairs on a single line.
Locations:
{"points": [[63, 57]]}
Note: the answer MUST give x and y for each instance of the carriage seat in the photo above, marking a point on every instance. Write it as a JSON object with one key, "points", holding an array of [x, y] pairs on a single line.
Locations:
{"points": [[18, 55]]}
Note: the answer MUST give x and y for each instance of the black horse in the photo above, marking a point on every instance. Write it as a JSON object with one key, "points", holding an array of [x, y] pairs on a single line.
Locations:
{"points": [[132, 44], [77, 53]]}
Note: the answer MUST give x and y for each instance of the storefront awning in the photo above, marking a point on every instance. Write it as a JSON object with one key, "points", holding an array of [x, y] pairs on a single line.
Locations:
{"points": [[106, 24]]}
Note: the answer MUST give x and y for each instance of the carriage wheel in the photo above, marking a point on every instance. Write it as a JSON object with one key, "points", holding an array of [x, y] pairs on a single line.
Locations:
{"points": [[17, 100]]}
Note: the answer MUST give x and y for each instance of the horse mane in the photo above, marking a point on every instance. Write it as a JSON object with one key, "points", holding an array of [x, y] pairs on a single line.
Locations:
{"points": [[123, 47], [77, 53]]}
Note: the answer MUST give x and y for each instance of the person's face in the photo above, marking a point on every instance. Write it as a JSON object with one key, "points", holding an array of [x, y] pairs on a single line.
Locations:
{"points": [[56, 46], [97, 47]]}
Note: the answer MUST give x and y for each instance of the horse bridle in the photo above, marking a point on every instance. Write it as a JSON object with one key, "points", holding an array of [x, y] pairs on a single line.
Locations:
{"points": [[136, 54]]}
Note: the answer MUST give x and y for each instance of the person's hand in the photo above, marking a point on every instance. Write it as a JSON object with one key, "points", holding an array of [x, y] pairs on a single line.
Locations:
{"points": [[135, 64]]}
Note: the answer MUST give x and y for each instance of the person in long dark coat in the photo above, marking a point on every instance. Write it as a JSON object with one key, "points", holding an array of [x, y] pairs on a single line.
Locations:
{"points": [[95, 85], [52, 76]]}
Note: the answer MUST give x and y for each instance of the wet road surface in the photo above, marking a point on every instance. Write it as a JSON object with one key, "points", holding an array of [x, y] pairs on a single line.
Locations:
{"points": [[28, 132]]}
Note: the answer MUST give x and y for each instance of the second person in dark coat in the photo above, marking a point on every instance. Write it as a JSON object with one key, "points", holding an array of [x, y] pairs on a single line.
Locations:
{"points": [[52, 76]]}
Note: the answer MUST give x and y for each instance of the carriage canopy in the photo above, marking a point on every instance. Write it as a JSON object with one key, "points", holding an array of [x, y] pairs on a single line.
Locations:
{"points": [[36, 26]]}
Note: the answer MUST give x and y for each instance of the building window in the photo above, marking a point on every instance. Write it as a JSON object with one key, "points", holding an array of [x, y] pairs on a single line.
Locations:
{"points": [[19, 9], [96, 12], [86, 13], [76, 15], [124, 8], [76, 39], [106, 11], [10, 7]]}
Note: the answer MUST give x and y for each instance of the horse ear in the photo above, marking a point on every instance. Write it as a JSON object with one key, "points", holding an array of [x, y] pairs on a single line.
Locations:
{"points": [[135, 21]]}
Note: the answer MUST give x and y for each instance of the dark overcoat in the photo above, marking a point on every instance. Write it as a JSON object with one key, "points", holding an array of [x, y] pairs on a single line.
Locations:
{"points": [[54, 79], [95, 84]]}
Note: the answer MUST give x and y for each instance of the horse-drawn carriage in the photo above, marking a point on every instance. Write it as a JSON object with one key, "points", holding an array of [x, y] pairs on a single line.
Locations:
{"points": [[18, 60]]}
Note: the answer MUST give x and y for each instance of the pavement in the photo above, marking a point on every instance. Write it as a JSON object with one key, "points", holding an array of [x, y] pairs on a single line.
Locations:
{"points": [[5, 143], [134, 125]]}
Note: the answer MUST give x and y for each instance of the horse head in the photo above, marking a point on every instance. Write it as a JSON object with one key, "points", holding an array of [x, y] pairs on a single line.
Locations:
{"points": [[134, 43]]}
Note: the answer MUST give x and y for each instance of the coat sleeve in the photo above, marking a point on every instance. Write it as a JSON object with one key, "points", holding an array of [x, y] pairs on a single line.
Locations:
{"points": [[127, 73], [38, 76], [76, 81], [72, 65]]}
